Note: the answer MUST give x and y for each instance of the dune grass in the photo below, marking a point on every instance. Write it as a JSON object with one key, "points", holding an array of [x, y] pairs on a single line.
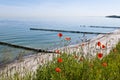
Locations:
{"points": [[70, 67]]}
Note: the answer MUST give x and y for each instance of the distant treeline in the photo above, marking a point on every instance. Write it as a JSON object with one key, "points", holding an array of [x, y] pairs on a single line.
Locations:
{"points": [[113, 16]]}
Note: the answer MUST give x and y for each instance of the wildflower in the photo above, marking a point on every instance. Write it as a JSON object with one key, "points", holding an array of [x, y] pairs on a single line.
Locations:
{"points": [[103, 46], [59, 60], [57, 51], [58, 69], [67, 38], [82, 44], [99, 43], [104, 64], [76, 56], [60, 35], [115, 50], [81, 59], [100, 55]]}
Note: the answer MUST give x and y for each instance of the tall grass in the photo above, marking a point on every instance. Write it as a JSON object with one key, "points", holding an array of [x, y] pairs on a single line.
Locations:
{"points": [[73, 68]]}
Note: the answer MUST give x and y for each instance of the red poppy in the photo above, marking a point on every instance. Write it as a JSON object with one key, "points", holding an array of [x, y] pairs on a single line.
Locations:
{"points": [[100, 55], [58, 69], [60, 35], [59, 60], [99, 43], [67, 38], [103, 46], [104, 64], [57, 51]]}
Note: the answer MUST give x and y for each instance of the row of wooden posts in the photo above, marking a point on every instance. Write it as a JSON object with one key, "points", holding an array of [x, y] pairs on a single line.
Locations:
{"points": [[53, 30]]}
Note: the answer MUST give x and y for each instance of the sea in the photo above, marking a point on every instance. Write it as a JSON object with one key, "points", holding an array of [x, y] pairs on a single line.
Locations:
{"points": [[17, 31]]}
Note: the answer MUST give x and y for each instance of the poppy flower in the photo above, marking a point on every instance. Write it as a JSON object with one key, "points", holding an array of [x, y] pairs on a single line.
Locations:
{"points": [[100, 55], [104, 64], [67, 38], [57, 51], [60, 35], [59, 60], [99, 43], [58, 69], [103, 46]]}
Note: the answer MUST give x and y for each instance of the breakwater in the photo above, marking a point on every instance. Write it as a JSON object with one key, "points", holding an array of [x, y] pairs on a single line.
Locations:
{"points": [[24, 47], [69, 31]]}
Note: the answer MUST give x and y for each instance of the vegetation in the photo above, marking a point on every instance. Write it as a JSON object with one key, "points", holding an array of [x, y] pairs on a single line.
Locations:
{"points": [[76, 67], [70, 67]]}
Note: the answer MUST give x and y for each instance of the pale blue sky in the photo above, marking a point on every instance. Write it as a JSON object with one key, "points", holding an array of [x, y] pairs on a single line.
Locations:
{"points": [[47, 9]]}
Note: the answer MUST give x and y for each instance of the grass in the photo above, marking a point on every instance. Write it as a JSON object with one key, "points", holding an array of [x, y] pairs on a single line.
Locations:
{"points": [[73, 67], [67, 66]]}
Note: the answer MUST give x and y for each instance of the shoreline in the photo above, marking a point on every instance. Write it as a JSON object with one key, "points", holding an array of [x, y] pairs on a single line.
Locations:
{"points": [[32, 62]]}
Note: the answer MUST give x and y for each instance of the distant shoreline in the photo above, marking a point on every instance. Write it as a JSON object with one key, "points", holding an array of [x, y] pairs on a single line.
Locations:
{"points": [[113, 16]]}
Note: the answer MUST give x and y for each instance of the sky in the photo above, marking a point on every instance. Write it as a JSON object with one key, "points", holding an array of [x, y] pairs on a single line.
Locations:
{"points": [[56, 9]]}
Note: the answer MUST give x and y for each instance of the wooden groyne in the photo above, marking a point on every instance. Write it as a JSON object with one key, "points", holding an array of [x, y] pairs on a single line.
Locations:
{"points": [[101, 27], [67, 31], [24, 47]]}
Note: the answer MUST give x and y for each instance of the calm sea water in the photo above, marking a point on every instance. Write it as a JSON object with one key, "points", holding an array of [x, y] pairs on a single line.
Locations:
{"points": [[18, 31]]}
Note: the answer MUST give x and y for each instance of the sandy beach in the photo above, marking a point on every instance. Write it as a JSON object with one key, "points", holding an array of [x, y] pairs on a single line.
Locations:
{"points": [[89, 50]]}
